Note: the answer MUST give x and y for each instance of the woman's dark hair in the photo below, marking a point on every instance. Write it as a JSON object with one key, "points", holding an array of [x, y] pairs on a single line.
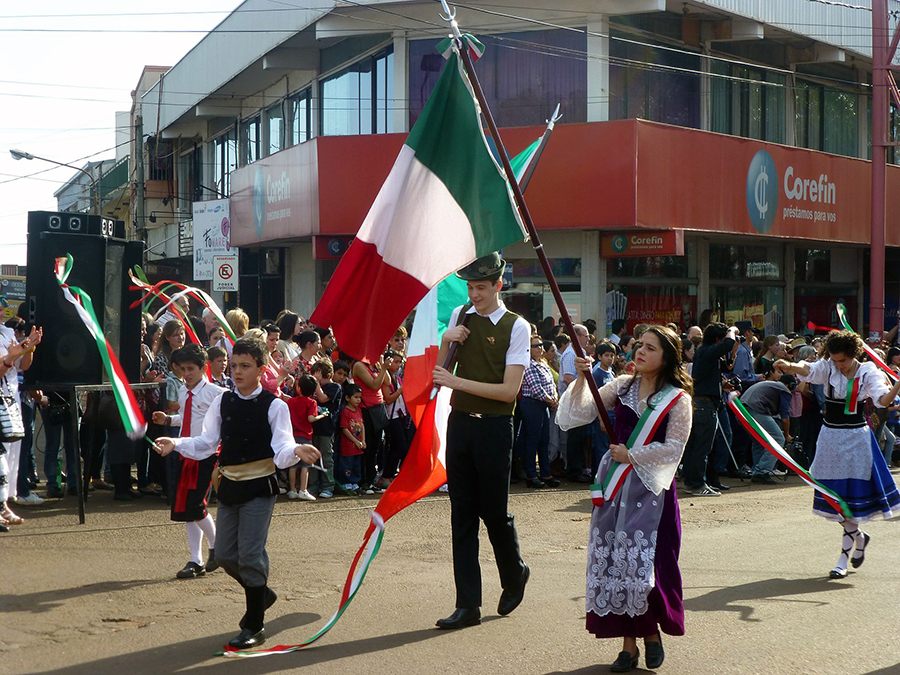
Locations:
{"points": [[706, 318], [270, 327], [254, 348], [844, 342], [305, 338], [686, 346], [892, 352], [768, 342], [287, 324], [671, 372], [152, 330]]}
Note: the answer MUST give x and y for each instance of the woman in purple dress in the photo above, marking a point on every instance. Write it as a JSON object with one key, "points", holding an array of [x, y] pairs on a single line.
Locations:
{"points": [[633, 580]]}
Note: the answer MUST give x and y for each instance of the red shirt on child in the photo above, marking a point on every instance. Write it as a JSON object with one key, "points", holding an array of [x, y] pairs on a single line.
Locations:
{"points": [[352, 420], [301, 408]]}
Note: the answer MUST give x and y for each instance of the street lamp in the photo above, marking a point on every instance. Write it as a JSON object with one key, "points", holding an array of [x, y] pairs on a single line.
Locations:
{"points": [[21, 154]]}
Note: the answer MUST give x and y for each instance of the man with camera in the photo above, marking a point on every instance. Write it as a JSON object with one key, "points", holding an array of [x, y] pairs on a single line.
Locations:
{"points": [[700, 475]]}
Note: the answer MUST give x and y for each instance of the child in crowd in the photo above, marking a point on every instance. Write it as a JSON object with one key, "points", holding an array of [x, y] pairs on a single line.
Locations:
{"points": [[253, 427], [304, 411], [341, 373], [401, 428], [193, 478], [353, 438], [321, 483], [218, 364]]}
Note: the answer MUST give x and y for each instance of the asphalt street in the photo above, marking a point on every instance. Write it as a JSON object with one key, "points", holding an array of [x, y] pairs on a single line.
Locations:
{"points": [[103, 598]]}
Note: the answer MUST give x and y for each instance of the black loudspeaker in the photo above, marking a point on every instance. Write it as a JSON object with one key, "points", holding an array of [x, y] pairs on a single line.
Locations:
{"points": [[68, 354], [63, 222]]}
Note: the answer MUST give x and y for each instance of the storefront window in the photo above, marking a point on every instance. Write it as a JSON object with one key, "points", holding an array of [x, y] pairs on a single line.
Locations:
{"points": [[762, 305], [757, 94], [224, 151], [639, 303], [755, 263], [656, 267], [818, 305], [359, 99], [275, 129], [250, 141], [524, 76], [812, 264], [825, 119], [300, 121], [653, 84]]}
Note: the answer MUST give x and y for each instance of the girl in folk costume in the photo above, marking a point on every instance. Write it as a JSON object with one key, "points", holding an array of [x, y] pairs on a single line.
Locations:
{"points": [[633, 580], [848, 459]]}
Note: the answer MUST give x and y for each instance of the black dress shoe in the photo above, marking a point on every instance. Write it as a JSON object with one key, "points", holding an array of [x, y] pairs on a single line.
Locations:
{"points": [[763, 478], [247, 639], [625, 662], [211, 564], [534, 483], [856, 562], [655, 654], [461, 618], [4, 528], [720, 487], [191, 571], [510, 599], [838, 573]]}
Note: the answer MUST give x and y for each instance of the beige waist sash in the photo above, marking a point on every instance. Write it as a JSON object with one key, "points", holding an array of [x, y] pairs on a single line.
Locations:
{"points": [[241, 472]]}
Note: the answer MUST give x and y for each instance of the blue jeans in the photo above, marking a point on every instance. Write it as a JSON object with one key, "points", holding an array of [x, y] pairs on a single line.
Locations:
{"points": [[53, 433], [535, 436], [763, 460]]}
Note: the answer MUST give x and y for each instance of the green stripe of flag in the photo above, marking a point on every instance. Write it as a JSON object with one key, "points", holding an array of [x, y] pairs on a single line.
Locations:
{"points": [[449, 141]]}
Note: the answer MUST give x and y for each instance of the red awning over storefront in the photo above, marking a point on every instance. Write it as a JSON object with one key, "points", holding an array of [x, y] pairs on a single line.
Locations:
{"points": [[621, 175]]}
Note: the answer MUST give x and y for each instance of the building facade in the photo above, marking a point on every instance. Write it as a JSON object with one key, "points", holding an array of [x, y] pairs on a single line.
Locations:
{"points": [[711, 155]]}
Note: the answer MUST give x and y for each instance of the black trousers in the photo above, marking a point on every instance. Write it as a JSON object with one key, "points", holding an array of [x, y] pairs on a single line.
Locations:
{"points": [[479, 454], [697, 470]]}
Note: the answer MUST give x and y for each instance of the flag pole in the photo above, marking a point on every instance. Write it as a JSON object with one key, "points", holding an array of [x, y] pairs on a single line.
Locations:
{"points": [[532, 165], [523, 210]]}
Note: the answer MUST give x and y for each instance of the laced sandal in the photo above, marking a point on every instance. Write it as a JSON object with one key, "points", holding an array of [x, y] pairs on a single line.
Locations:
{"points": [[10, 517]]}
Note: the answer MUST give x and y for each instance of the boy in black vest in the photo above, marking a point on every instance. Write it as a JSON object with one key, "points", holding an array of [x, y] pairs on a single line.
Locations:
{"points": [[491, 359], [254, 428]]}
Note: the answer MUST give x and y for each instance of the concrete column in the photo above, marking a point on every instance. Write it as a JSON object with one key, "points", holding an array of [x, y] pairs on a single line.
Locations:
{"points": [[789, 111], [400, 103], [590, 278], [598, 71], [703, 299], [789, 289], [300, 279]]}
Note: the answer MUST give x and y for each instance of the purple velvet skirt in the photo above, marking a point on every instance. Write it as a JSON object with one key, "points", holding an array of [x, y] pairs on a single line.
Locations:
{"points": [[665, 600]]}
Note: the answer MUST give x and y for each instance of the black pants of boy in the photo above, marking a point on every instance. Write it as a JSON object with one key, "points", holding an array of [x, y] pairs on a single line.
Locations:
{"points": [[479, 454], [698, 471]]}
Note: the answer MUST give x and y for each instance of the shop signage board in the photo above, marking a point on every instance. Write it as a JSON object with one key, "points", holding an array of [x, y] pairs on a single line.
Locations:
{"points": [[225, 272], [212, 235], [642, 244]]}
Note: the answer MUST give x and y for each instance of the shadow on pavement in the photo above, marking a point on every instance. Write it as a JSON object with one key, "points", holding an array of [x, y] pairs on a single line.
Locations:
{"points": [[890, 670], [198, 654], [729, 599], [44, 601]]}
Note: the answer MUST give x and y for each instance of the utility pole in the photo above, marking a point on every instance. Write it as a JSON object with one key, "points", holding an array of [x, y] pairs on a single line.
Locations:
{"points": [[880, 110]]}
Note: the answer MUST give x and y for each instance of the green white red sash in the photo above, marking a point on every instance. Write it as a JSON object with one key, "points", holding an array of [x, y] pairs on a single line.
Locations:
{"points": [[658, 406], [772, 446], [852, 401]]}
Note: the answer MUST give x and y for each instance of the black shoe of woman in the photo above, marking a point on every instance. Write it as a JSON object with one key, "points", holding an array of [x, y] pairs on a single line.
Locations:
{"points": [[626, 662], [655, 653]]}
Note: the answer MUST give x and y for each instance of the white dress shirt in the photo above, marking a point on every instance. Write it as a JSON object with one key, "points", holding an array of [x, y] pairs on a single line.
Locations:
{"points": [[204, 393], [204, 445]]}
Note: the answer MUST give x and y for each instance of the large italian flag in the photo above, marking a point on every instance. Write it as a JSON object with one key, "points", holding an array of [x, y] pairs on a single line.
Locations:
{"points": [[445, 203]]}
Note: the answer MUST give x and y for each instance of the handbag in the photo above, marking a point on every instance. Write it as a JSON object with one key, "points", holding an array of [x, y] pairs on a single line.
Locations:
{"points": [[12, 428]]}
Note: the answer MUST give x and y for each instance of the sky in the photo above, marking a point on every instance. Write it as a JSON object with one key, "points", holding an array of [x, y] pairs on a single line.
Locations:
{"points": [[65, 69]]}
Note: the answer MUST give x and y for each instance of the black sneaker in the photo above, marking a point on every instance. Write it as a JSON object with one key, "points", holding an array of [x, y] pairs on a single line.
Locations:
{"points": [[191, 571], [54, 492], [763, 478]]}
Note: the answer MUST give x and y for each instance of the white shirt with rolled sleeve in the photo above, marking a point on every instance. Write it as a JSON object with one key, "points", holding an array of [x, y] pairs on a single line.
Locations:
{"points": [[204, 445], [205, 393], [519, 351]]}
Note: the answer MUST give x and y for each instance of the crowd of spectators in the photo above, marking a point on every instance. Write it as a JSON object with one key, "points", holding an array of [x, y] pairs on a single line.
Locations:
{"points": [[354, 412]]}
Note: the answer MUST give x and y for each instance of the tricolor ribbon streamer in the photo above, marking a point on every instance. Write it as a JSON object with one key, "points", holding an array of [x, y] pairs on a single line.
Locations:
{"points": [[842, 318], [852, 401], [644, 430], [132, 418], [361, 563], [765, 439]]}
